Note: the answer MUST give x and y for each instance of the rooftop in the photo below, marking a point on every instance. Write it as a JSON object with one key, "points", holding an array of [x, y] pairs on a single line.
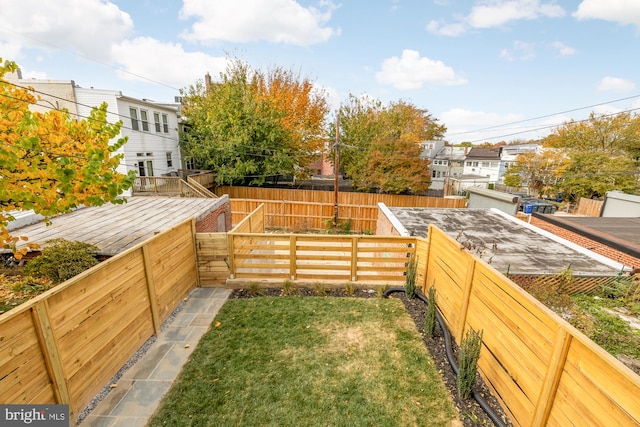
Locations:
{"points": [[620, 233], [115, 228], [508, 244]]}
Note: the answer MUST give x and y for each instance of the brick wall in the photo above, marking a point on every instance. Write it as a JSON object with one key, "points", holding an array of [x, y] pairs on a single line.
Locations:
{"points": [[209, 223], [587, 243]]}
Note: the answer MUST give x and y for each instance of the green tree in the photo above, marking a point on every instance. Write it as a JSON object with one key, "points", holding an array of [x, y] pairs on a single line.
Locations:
{"points": [[51, 162], [538, 171], [380, 144], [252, 125], [603, 154], [593, 174]]}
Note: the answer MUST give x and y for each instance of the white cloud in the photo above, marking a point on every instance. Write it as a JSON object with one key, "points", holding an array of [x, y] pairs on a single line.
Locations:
{"points": [[521, 51], [168, 63], [615, 84], [278, 21], [88, 27], [411, 71], [497, 13], [621, 11], [563, 49], [442, 29]]}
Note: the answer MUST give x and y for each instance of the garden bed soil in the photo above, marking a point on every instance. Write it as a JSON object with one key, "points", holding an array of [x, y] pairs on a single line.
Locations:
{"points": [[471, 413]]}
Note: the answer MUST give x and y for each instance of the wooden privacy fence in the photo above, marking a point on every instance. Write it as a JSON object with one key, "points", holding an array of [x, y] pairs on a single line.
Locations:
{"points": [[589, 207], [344, 198], [303, 216], [315, 257], [541, 369], [66, 344]]}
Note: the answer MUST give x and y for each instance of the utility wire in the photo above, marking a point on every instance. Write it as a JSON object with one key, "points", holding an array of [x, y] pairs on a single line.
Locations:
{"points": [[545, 116]]}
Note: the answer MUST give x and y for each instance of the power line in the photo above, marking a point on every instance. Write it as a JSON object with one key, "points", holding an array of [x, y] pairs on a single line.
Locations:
{"points": [[545, 116], [552, 126]]}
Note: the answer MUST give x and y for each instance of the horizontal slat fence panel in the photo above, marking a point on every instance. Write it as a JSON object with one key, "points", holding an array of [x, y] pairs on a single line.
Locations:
{"points": [[213, 267], [252, 221], [302, 210], [320, 257], [66, 344], [541, 369], [174, 275], [24, 376]]}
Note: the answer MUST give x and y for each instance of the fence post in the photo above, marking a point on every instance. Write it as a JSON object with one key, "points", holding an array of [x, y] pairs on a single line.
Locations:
{"points": [[231, 257], [195, 251], [354, 258], [552, 378], [292, 257], [49, 346], [153, 299]]}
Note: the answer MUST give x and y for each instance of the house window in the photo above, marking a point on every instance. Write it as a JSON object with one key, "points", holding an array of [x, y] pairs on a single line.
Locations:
{"points": [[169, 160], [156, 120], [165, 123], [145, 120], [141, 170], [134, 119], [189, 163], [433, 174]]}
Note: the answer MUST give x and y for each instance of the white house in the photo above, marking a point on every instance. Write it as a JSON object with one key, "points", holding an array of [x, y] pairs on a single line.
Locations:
{"points": [[484, 162], [508, 154], [151, 128]]}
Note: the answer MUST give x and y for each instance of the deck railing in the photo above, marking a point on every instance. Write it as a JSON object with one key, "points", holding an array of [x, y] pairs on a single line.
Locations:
{"points": [[169, 186]]}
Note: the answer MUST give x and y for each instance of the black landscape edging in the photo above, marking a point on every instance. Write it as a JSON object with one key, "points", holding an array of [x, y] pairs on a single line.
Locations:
{"points": [[449, 350]]}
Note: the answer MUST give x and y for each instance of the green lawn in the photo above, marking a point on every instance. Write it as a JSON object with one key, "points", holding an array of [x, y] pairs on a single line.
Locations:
{"points": [[309, 361]]}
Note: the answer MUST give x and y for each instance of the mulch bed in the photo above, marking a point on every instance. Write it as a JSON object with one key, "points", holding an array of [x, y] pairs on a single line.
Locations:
{"points": [[471, 413]]}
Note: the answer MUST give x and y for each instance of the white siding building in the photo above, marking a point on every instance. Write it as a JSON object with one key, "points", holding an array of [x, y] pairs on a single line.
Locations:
{"points": [[151, 129], [508, 154]]}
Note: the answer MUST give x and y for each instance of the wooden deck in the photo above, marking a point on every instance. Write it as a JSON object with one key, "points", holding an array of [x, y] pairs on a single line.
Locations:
{"points": [[115, 228]]}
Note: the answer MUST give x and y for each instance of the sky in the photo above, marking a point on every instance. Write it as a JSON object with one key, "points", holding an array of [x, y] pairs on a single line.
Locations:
{"points": [[489, 70]]}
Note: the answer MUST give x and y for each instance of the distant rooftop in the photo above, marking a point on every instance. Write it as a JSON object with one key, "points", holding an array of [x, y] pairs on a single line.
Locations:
{"points": [[508, 244]]}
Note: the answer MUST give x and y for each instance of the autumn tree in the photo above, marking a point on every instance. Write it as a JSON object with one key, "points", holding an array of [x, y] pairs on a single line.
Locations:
{"points": [[251, 125], [539, 171], [380, 144], [52, 163], [394, 166], [603, 154]]}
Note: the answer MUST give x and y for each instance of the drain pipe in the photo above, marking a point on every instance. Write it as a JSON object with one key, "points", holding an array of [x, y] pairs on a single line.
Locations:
{"points": [[449, 350]]}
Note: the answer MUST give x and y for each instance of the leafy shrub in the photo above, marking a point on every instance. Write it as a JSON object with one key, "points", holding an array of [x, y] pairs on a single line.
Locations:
{"points": [[410, 281], [61, 260], [468, 362], [430, 317]]}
